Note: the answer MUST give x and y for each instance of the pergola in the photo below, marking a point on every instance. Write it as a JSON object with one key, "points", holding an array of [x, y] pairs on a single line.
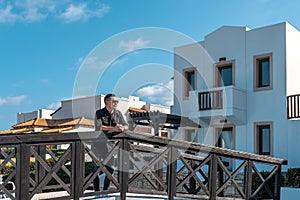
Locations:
{"points": [[160, 120]]}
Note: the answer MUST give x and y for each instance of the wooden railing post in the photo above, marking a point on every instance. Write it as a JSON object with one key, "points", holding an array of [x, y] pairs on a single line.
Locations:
{"points": [[213, 177], [124, 167], [277, 183], [23, 172], [248, 179], [39, 169], [172, 167], [78, 168]]}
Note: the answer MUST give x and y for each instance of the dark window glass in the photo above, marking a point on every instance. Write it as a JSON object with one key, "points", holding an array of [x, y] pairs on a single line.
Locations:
{"points": [[264, 73], [190, 82], [224, 76], [264, 143], [225, 139]]}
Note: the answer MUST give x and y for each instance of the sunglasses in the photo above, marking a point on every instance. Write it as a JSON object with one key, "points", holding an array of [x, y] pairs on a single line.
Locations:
{"points": [[115, 101]]}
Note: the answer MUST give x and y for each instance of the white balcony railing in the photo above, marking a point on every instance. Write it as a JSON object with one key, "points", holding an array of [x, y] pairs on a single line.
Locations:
{"points": [[226, 102]]}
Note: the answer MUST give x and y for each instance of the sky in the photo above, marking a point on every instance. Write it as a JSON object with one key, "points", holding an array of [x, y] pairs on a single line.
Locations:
{"points": [[45, 45]]}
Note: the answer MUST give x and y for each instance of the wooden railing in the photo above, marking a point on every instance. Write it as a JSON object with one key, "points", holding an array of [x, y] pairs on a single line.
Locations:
{"points": [[211, 100], [293, 106], [143, 164]]}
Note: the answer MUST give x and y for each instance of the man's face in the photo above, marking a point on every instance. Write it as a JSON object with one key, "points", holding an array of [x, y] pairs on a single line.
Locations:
{"points": [[111, 103]]}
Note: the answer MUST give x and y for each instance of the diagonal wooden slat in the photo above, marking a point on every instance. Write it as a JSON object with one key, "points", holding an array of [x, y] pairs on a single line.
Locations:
{"points": [[264, 181], [56, 159], [160, 181], [52, 171], [101, 167], [231, 177], [146, 168], [7, 158], [193, 173]]}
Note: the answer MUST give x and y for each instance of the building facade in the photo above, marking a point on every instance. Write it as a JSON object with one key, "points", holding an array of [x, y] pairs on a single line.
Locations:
{"points": [[235, 83], [78, 115]]}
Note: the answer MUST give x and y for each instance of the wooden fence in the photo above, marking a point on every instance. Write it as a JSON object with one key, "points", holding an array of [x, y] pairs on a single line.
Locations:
{"points": [[142, 164]]}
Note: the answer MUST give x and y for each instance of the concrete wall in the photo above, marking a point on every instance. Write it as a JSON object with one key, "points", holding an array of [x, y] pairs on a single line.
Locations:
{"points": [[290, 193], [41, 113]]}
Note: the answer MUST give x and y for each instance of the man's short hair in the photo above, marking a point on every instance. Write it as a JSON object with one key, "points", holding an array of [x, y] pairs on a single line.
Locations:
{"points": [[108, 96]]}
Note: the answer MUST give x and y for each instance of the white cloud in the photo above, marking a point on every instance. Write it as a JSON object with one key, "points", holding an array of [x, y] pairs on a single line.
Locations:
{"points": [[54, 106], [82, 12], [6, 15], [133, 44], [29, 11], [44, 81], [160, 94], [74, 13], [12, 100]]}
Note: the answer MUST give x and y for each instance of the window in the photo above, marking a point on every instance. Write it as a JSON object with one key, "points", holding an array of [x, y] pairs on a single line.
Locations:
{"points": [[189, 81], [224, 137], [224, 73], [263, 72], [191, 135], [263, 138]]}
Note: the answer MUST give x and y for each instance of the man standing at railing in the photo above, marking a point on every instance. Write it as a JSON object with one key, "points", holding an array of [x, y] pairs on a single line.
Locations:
{"points": [[111, 122]]}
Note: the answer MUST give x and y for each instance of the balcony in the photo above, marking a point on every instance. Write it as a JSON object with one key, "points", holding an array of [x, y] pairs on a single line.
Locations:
{"points": [[222, 103], [293, 109]]}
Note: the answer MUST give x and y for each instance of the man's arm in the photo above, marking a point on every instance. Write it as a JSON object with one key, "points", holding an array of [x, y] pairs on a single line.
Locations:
{"points": [[111, 129]]}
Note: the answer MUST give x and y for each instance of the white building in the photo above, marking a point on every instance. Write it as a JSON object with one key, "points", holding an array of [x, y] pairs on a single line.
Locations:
{"points": [[41, 113], [87, 106], [235, 83], [78, 115]]}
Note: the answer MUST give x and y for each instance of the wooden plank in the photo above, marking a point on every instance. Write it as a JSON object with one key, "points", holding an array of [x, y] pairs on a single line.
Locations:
{"points": [[23, 171], [78, 166], [172, 166], [213, 177], [124, 168], [277, 183], [39, 169]]}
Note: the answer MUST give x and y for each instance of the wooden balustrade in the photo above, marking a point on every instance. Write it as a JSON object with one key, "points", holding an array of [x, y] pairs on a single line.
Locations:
{"points": [[143, 164]]}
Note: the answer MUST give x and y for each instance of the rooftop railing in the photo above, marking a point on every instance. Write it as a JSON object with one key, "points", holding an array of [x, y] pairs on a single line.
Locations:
{"points": [[142, 163]]}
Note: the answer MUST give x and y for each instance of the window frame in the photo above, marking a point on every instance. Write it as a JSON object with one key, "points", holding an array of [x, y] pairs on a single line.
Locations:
{"points": [[257, 137], [256, 80], [188, 132], [185, 81], [217, 129], [217, 76]]}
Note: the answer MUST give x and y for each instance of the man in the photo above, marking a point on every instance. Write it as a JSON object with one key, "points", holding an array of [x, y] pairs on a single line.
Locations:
{"points": [[111, 122]]}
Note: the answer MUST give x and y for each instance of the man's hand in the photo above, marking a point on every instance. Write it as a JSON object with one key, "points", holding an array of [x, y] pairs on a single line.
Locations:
{"points": [[118, 128]]}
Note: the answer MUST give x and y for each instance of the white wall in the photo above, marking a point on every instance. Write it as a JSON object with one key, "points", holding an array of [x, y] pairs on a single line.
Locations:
{"points": [[268, 105], [242, 44], [292, 60], [41, 113], [80, 107], [87, 106]]}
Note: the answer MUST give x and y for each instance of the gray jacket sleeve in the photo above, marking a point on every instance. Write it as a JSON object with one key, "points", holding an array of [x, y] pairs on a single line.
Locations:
{"points": [[121, 119], [97, 124]]}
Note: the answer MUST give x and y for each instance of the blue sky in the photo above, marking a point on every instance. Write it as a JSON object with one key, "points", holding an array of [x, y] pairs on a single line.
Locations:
{"points": [[44, 43]]}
